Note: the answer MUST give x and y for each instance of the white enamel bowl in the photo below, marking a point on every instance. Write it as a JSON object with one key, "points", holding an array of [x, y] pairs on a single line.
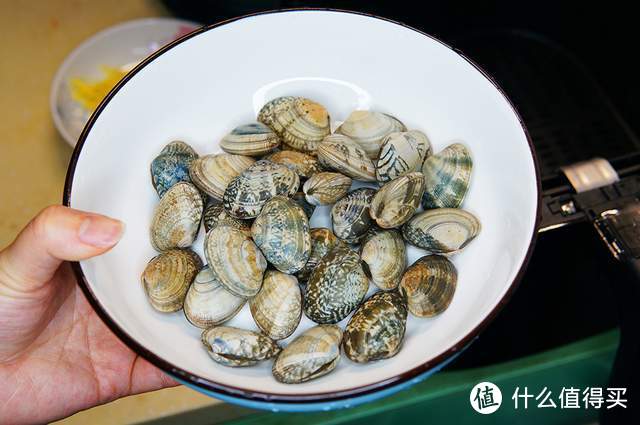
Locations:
{"points": [[200, 87]]}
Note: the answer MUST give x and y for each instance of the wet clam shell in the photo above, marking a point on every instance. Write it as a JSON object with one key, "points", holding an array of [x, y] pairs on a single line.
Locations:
{"points": [[350, 215], [176, 219], [308, 208], [447, 176], [384, 258], [167, 277], [237, 347], [428, 285], [376, 329], [212, 173], [215, 214], [340, 153], [401, 153], [300, 122], [336, 286], [326, 188], [441, 230], [235, 260], [311, 355], [396, 202], [246, 194], [301, 163], [369, 128], [277, 308], [208, 303], [255, 139], [322, 241], [172, 166], [281, 231]]}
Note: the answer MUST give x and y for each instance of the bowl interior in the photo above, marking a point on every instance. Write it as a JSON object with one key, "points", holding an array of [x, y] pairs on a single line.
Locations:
{"points": [[206, 85]]}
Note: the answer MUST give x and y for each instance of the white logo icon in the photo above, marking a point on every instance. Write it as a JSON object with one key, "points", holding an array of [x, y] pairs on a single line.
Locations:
{"points": [[485, 398]]}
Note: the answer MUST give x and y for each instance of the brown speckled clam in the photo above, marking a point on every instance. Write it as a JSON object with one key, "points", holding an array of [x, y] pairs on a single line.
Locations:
{"points": [[441, 230], [322, 241], [428, 285], [350, 215], [167, 277], [311, 355], [277, 308], [397, 200], [326, 188], [384, 257], [376, 330], [369, 128], [255, 139], [401, 153], [246, 194], [340, 153], [212, 173], [176, 219], [446, 176], [215, 214], [237, 347], [301, 163]]}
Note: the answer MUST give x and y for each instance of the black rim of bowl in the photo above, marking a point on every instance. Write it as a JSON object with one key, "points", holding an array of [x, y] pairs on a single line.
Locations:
{"points": [[257, 396]]}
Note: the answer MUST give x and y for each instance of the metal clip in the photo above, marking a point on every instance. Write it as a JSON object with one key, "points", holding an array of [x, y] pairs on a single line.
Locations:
{"points": [[590, 174]]}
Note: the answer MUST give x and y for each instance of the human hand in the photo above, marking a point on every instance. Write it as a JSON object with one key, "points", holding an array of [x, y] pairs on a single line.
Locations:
{"points": [[56, 356]]}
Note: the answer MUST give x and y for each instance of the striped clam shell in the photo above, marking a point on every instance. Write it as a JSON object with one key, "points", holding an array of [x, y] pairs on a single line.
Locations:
{"points": [[447, 176], [301, 163], [237, 347], [376, 330], [401, 153], [311, 355], [428, 285], [277, 308], [322, 241], [281, 231], [442, 230], [212, 173], [246, 194], [384, 257], [208, 303], [171, 166], [167, 277], [326, 188], [301, 123], [369, 128], [235, 260], [215, 214], [336, 286], [350, 215], [340, 153], [176, 219], [397, 200], [254, 139]]}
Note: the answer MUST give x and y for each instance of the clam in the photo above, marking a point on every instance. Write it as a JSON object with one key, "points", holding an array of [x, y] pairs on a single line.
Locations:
{"points": [[384, 257], [281, 231], [376, 329], [302, 164], [336, 286], [167, 277], [311, 355], [350, 215], [397, 200], [326, 188], [340, 153], [308, 208], [428, 285], [235, 260], [277, 308], [208, 303], [446, 177], [171, 166], [254, 139], [401, 153], [441, 230], [215, 214], [236, 347], [369, 128], [176, 219], [300, 122], [212, 173], [322, 241], [246, 194]]}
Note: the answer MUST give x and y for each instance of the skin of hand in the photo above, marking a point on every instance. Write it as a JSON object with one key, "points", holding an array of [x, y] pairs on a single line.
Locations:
{"points": [[56, 356]]}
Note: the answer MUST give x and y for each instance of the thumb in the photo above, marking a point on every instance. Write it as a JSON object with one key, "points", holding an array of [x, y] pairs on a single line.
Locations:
{"points": [[57, 234]]}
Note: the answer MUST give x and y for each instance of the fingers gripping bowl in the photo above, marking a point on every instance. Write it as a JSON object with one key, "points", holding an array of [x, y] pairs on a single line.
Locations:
{"points": [[201, 87]]}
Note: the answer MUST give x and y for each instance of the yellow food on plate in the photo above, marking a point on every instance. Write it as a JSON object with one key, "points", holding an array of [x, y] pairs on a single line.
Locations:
{"points": [[90, 93]]}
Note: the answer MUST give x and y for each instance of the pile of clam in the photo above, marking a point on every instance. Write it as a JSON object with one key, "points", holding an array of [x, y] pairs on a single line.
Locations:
{"points": [[256, 201]]}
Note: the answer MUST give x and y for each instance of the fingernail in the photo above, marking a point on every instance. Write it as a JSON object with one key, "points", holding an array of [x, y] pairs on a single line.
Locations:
{"points": [[100, 231]]}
